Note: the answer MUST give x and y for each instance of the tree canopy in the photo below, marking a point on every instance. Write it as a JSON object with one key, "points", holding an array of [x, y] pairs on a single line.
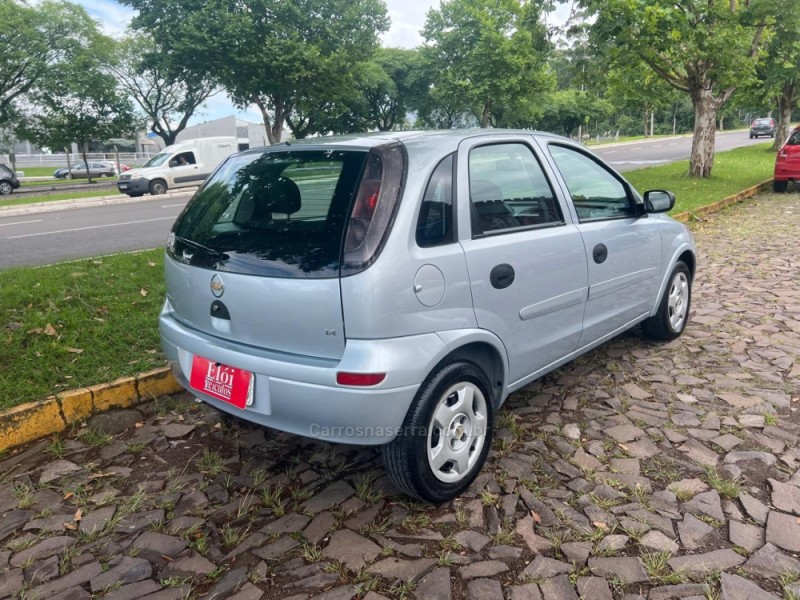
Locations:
{"points": [[488, 54]]}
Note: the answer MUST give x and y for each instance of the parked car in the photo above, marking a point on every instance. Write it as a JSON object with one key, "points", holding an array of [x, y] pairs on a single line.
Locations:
{"points": [[394, 289], [765, 127], [8, 180], [78, 170], [787, 162]]}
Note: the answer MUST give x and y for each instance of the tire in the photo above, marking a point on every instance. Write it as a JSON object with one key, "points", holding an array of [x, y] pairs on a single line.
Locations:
{"points": [[5, 188], [455, 396], [779, 186], [673, 311], [752, 136], [158, 187]]}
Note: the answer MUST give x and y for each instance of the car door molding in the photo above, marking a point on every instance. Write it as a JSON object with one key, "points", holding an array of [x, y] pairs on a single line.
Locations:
{"points": [[553, 304]]}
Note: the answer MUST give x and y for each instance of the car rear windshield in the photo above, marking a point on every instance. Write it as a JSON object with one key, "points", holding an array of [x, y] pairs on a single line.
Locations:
{"points": [[277, 214], [763, 121]]}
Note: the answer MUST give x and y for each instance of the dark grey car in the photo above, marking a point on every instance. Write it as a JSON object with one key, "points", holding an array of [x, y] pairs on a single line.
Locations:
{"points": [[762, 127], [8, 180], [394, 289]]}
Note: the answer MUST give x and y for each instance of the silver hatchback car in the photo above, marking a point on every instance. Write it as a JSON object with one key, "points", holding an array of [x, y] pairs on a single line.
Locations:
{"points": [[395, 288]]}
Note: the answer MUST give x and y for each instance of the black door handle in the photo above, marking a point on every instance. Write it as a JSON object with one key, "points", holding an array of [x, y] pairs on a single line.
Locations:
{"points": [[502, 276], [600, 253]]}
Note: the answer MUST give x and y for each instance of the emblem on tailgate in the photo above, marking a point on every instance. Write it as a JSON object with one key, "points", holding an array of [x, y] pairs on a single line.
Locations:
{"points": [[217, 286]]}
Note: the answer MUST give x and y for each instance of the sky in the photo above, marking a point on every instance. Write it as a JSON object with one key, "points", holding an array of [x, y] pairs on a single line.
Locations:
{"points": [[407, 17]]}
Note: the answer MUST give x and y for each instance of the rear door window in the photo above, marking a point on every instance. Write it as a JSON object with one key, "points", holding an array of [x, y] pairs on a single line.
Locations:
{"points": [[509, 190], [279, 214]]}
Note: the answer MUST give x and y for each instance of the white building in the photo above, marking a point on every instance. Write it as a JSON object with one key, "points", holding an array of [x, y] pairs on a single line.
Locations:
{"points": [[248, 135]]}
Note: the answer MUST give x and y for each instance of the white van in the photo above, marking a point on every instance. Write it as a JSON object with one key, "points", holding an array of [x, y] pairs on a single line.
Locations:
{"points": [[180, 165]]}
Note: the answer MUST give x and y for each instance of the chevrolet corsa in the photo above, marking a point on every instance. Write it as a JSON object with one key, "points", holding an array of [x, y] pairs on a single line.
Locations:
{"points": [[394, 289]]}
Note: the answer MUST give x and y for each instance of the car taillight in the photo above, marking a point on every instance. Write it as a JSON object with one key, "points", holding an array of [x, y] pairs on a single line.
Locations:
{"points": [[753, 124], [374, 208], [359, 379]]}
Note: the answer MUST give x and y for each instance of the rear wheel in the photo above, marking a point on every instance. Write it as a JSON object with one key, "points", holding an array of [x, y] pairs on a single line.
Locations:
{"points": [[158, 187], [5, 188], [673, 312], [446, 434], [780, 186]]}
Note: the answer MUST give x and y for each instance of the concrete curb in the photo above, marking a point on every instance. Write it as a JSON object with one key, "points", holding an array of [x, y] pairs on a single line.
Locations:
{"points": [[54, 414], [689, 215]]}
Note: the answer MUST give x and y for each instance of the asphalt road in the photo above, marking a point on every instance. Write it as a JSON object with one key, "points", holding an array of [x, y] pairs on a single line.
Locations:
{"points": [[54, 236]]}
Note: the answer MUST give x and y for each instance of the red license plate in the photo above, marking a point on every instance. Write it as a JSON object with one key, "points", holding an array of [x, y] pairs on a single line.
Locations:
{"points": [[222, 382]]}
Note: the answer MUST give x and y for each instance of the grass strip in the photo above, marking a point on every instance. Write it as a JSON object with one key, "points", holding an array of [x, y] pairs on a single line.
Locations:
{"points": [[58, 182], [78, 323], [17, 199], [733, 172]]}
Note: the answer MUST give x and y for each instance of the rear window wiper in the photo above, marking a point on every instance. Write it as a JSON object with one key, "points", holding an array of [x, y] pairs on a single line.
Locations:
{"points": [[199, 246]]}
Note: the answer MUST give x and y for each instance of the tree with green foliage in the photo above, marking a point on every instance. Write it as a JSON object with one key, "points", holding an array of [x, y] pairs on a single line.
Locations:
{"points": [[166, 91], [705, 49], [271, 53], [35, 41], [393, 85], [488, 54], [632, 84], [778, 81], [81, 102]]}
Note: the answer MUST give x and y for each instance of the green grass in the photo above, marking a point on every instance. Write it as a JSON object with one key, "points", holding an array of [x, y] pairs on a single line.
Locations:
{"points": [[733, 172], [16, 199], [79, 323], [59, 182]]}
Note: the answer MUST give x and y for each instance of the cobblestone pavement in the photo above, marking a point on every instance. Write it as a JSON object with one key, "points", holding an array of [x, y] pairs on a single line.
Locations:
{"points": [[638, 471]]}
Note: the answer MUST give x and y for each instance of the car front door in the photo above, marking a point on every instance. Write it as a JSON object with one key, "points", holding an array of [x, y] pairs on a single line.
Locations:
{"points": [[623, 247], [526, 261]]}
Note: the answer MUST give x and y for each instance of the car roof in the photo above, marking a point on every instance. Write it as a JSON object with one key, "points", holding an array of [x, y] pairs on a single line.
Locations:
{"points": [[427, 142]]}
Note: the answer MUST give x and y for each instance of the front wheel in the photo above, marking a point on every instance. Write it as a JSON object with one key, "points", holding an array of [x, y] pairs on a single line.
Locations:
{"points": [[158, 187], [779, 186], [446, 434], [5, 188], [673, 312]]}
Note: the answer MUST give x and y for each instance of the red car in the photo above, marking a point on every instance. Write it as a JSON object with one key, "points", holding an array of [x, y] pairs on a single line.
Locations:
{"points": [[787, 163]]}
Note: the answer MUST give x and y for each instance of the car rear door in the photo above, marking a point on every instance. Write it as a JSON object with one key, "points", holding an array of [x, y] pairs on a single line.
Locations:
{"points": [[623, 248], [526, 262]]}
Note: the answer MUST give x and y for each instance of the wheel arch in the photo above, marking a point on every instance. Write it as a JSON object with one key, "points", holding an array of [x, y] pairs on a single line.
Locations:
{"points": [[488, 353], [685, 253]]}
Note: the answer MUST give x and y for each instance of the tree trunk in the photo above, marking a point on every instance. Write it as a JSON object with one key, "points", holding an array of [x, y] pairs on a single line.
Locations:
{"points": [[485, 116], [786, 105], [705, 120], [645, 122], [267, 121], [86, 162], [652, 122]]}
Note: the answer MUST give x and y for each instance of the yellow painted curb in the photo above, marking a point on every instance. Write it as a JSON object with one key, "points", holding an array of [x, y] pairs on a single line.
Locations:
{"points": [[689, 215], [54, 414]]}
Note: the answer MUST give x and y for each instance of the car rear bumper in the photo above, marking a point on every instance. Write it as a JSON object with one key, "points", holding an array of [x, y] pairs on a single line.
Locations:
{"points": [[134, 186], [300, 395]]}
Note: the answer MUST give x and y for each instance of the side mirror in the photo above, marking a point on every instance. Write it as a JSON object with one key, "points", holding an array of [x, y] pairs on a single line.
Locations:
{"points": [[659, 201], [173, 163]]}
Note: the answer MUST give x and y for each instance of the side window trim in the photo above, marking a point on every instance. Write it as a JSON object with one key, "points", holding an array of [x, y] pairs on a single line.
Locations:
{"points": [[541, 161], [634, 209]]}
